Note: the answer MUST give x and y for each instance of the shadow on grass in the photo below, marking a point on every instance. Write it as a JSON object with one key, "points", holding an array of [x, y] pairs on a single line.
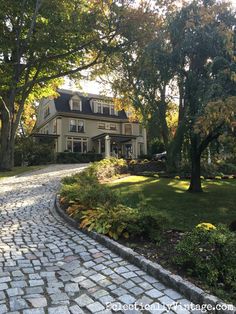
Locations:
{"points": [[169, 197]]}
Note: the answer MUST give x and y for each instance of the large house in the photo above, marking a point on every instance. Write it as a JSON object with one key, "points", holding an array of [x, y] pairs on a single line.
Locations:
{"points": [[89, 123]]}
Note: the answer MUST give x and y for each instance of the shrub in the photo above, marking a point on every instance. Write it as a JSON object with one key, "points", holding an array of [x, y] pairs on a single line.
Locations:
{"points": [[149, 157], [82, 177], [107, 168], [209, 254], [133, 162], [89, 195], [209, 170], [227, 168], [70, 158], [148, 225], [112, 221], [144, 161], [32, 153]]}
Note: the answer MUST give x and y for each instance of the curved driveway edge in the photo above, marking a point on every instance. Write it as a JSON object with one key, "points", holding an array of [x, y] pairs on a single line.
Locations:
{"points": [[188, 289]]}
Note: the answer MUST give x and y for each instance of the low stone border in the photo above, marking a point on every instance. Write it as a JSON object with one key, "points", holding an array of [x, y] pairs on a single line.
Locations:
{"points": [[189, 290]]}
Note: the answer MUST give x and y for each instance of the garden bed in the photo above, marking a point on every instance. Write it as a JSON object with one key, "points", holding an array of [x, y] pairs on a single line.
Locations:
{"points": [[163, 253], [156, 218]]}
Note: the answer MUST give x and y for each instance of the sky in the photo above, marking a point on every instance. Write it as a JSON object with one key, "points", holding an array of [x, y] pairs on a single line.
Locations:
{"points": [[95, 87]]}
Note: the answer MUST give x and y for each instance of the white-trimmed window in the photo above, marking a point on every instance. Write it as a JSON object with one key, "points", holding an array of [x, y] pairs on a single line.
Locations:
{"points": [[101, 125], [128, 129], [113, 126], [99, 108], [54, 126], [140, 129], [46, 112], [75, 104], [106, 109], [107, 126], [103, 107], [77, 144], [76, 126]]}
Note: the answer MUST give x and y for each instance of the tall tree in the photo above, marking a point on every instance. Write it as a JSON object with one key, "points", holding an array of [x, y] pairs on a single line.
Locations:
{"points": [[43, 40], [140, 71], [203, 34]]}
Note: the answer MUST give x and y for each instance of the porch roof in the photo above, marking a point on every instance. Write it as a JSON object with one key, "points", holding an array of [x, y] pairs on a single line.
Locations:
{"points": [[119, 138]]}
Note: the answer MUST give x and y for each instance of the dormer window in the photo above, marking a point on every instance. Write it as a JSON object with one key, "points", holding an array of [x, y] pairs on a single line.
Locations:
{"points": [[46, 112], [75, 104], [103, 107]]}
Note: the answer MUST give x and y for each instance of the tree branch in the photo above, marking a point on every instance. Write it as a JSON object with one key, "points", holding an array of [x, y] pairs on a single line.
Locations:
{"points": [[212, 136], [5, 107]]}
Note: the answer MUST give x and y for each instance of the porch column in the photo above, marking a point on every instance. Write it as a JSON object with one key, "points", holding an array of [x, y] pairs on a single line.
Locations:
{"points": [[99, 147], [107, 146], [135, 148]]}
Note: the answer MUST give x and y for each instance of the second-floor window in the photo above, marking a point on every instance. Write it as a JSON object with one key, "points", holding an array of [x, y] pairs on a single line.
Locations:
{"points": [[54, 126], [140, 129], [107, 126], [128, 129], [76, 126], [46, 112], [101, 125], [113, 127]]}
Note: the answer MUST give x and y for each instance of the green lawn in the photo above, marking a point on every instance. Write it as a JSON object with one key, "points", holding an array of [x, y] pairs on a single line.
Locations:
{"points": [[18, 170], [216, 205]]}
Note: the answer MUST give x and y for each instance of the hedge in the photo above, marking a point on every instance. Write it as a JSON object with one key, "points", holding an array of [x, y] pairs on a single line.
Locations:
{"points": [[70, 158]]}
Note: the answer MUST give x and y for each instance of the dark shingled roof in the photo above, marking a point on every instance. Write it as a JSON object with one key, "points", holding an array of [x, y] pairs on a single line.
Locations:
{"points": [[62, 105]]}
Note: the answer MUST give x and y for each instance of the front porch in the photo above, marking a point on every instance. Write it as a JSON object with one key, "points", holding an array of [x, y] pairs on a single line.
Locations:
{"points": [[116, 145]]}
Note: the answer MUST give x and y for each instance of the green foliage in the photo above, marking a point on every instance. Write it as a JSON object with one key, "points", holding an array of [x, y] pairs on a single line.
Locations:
{"points": [[80, 178], [207, 170], [110, 220], [147, 224], [32, 153], [48, 40], [227, 168], [157, 147], [209, 255], [107, 168], [86, 191], [70, 158]]}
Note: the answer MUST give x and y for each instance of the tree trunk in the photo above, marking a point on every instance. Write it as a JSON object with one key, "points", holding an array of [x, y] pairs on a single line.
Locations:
{"points": [[162, 112], [175, 148], [7, 144], [195, 183]]}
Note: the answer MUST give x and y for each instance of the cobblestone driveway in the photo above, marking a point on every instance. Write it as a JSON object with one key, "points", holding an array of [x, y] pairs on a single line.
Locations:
{"points": [[48, 267]]}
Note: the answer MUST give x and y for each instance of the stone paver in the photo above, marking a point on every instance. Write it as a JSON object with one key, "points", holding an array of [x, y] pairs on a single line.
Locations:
{"points": [[48, 267]]}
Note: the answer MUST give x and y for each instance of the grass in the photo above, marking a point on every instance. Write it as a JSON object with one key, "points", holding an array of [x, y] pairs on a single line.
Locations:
{"points": [[18, 170], [185, 210]]}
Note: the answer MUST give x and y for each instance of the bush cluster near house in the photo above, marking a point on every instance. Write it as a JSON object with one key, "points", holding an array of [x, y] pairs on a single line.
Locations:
{"points": [[28, 152], [101, 209], [72, 158]]}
